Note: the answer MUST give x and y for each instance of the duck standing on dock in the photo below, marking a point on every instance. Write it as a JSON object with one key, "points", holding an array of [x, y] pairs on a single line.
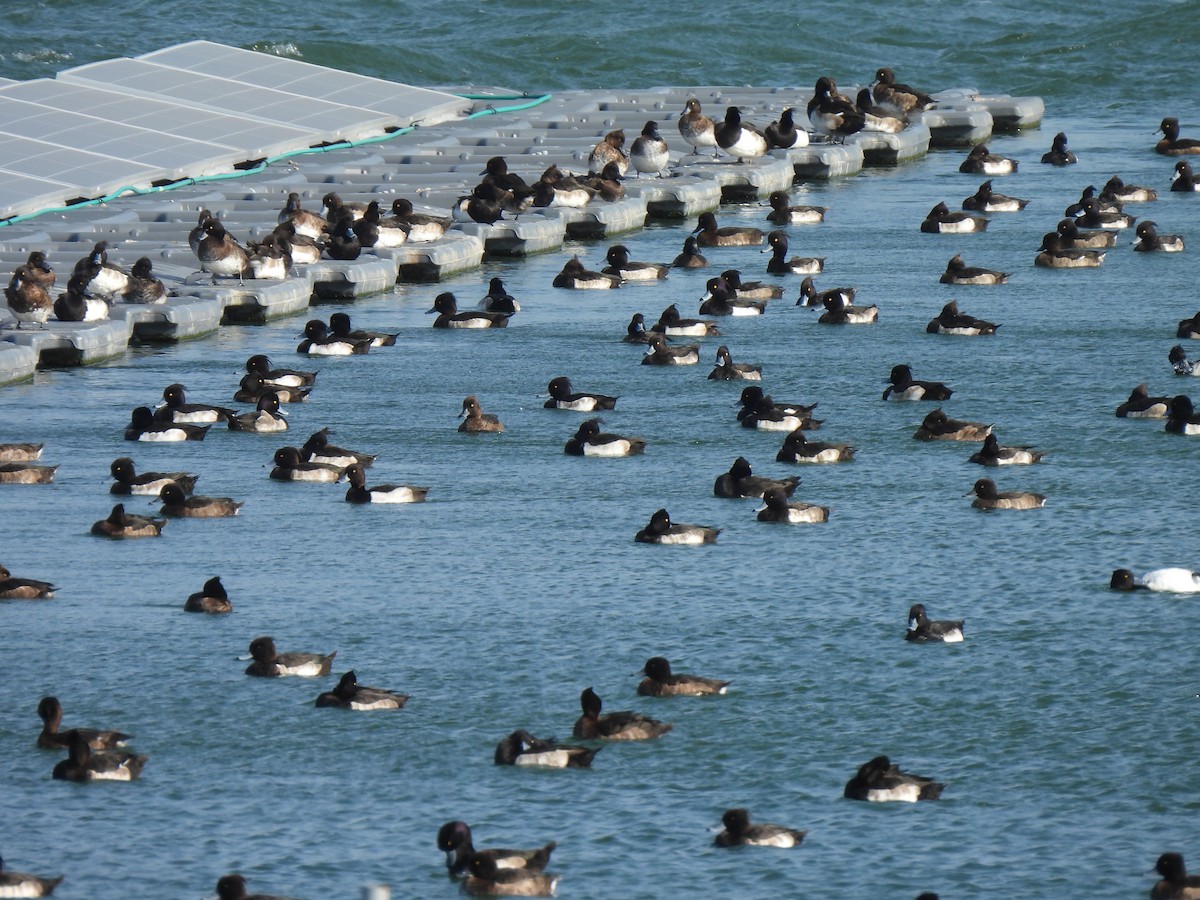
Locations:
{"points": [[697, 129], [740, 139], [832, 113], [649, 153], [220, 254]]}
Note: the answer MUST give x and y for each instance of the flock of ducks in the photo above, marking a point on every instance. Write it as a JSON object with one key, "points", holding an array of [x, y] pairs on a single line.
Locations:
{"points": [[1079, 240]]}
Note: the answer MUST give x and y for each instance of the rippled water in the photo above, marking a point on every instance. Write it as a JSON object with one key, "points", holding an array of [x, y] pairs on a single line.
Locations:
{"points": [[1065, 724]]}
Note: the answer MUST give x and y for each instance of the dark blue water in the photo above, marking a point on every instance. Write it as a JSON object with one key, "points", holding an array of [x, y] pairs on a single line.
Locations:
{"points": [[1065, 724]]}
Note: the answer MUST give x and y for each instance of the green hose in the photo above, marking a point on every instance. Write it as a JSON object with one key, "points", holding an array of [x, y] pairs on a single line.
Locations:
{"points": [[291, 154]]}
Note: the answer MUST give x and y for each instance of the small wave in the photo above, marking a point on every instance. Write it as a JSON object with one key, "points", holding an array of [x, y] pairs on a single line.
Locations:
{"points": [[42, 56], [285, 48]]}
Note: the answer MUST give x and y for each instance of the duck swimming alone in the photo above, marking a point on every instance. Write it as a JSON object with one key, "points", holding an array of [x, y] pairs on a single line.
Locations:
{"points": [[1172, 144], [728, 370], [740, 481], [988, 497], [1176, 883], [290, 467], [940, 220], [576, 277], [50, 711], [498, 299], [615, 726], [661, 682], [958, 272], [269, 663], [1184, 180], [708, 234], [986, 200], [740, 833], [838, 312], [620, 265], [22, 884], [879, 781], [212, 599], [175, 408], [779, 264], [475, 420], [1170, 581], [358, 492], [562, 397], [446, 306], [923, 630], [266, 418], [951, 321], [454, 840], [690, 257], [993, 454], [23, 588], [105, 765], [590, 441], [1141, 405], [121, 526], [233, 887], [661, 530], [26, 473], [1055, 254], [797, 448], [902, 386], [661, 354], [777, 508], [1182, 417], [1149, 240], [784, 214], [523, 749], [1058, 154], [937, 426], [980, 161], [176, 504], [349, 694]]}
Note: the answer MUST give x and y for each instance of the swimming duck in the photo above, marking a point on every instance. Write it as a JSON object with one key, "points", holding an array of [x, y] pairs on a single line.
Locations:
{"points": [[609, 151], [1148, 239], [233, 887], [660, 354], [1071, 238], [20, 452], [1188, 328], [340, 328], [951, 321], [575, 276], [709, 235], [690, 257], [987, 200], [937, 426], [590, 441], [1172, 144], [260, 364], [128, 481], [831, 113], [614, 726], [1117, 191], [778, 509], [28, 300], [941, 221], [358, 491], [740, 481], [22, 884], [446, 306], [475, 420], [26, 473], [720, 300], [319, 342], [797, 448], [175, 408], [1170, 580], [488, 879], [421, 227], [739, 138], [993, 454], [750, 290], [1058, 154], [767, 415], [523, 749], [900, 97], [958, 272], [105, 765], [317, 449], [728, 370], [253, 387], [305, 221], [649, 153], [878, 118], [120, 525], [987, 497], [903, 387], [143, 427], [1055, 254], [23, 588], [454, 839], [176, 504], [1184, 180], [661, 682], [1176, 883], [980, 162], [220, 253], [51, 738], [783, 214], [838, 312], [76, 305], [266, 418], [1182, 418], [1094, 217], [784, 134], [269, 663], [740, 833], [349, 694], [879, 780], [660, 530], [697, 129], [620, 265], [779, 264], [144, 287], [810, 296], [290, 467], [212, 598], [923, 630], [498, 299], [1141, 405], [1177, 357], [562, 397], [635, 331]]}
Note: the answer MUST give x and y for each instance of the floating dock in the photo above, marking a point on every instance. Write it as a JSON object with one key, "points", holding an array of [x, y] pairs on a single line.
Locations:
{"points": [[166, 138]]}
